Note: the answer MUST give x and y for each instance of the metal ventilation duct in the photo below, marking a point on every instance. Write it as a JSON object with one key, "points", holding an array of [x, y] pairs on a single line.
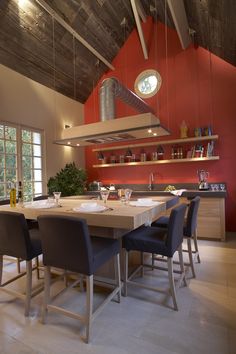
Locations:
{"points": [[112, 88], [110, 130]]}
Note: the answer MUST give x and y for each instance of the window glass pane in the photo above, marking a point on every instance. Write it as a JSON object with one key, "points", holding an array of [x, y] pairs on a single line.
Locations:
{"points": [[26, 149], [27, 175], [2, 174], [1, 131], [37, 175], [2, 191], [10, 133], [38, 187], [26, 136], [2, 161], [36, 138], [28, 190], [11, 161], [10, 147], [1, 145], [10, 174], [26, 162], [36, 150], [37, 162]]}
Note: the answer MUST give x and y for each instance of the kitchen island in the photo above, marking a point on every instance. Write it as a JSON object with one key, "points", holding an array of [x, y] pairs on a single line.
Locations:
{"points": [[211, 215]]}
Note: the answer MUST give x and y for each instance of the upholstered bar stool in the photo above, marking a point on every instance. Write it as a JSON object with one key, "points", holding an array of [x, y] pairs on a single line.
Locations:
{"points": [[17, 241], [67, 245], [189, 230], [161, 241]]}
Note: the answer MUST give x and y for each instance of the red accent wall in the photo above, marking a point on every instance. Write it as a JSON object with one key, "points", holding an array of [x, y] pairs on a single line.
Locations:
{"points": [[197, 87]]}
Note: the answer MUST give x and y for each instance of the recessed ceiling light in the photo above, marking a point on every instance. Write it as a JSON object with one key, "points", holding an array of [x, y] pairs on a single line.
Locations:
{"points": [[68, 142], [149, 130], [77, 144], [155, 134]]}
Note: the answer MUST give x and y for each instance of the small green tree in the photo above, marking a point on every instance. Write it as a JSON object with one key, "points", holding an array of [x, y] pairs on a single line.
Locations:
{"points": [[69, 181]]}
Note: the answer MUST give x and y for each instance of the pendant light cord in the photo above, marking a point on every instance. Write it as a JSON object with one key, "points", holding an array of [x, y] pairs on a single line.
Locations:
{"points": [[167, 71]]}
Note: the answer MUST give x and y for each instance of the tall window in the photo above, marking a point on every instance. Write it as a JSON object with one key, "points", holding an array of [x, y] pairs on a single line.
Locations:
{"points": [[20, 160]]}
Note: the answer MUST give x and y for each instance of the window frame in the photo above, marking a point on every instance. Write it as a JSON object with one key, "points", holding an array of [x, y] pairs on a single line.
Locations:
{"points": [[144, 74], [19, 157]]}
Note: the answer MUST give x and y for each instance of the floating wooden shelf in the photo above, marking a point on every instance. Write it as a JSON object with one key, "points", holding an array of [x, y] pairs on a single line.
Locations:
{"points": [[159, 142], [193, 159]]}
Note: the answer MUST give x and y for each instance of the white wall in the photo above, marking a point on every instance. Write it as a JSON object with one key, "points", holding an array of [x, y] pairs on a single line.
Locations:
{"points": [[24, 101]]}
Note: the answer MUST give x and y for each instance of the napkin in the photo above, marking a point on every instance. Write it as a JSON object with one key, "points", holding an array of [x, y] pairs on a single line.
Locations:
{"points": [[178, 192]]}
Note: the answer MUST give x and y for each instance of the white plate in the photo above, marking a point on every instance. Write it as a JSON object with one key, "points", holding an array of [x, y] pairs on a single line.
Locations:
{"points": [[147, 204], [89, 205], [96, 209], [144, 200], [40, 205]]}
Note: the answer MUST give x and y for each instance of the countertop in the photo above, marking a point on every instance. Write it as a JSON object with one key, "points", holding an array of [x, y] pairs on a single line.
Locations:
{"points": [[158, 190]]}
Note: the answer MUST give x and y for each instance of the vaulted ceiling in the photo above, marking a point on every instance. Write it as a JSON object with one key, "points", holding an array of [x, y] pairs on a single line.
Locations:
{"points": [[35, 45]]}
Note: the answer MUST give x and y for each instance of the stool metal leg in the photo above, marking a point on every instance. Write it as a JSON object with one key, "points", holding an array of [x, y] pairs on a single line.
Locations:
{"points": [[1, 268], [46, 297], [28, 287], [89, 306], [196, 246], [171, 282], [126, 261], [190, 254], [117, 275], [181, 263], [18, 265]]}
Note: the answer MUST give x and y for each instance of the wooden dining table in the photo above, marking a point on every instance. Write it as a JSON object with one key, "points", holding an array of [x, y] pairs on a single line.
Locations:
{"points": [[115, 221]]}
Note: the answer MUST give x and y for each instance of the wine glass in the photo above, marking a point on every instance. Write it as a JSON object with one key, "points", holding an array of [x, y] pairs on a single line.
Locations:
{"points": [[104, 195], [121, 195], [57, 197], [128, 193]]}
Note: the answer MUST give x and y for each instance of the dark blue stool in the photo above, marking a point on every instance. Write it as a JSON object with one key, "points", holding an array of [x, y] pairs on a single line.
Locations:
{"points": [[67, 245], [19, 242], [160, 241], [189, 230]]}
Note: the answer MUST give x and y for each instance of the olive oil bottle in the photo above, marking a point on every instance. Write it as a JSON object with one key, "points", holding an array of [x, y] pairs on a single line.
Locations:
{"points": [[13, 195]]}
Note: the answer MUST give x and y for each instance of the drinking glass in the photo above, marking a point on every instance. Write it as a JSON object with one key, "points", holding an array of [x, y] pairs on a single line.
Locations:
{"points": [[104, 196], [57, 197], [121, 195], [128, 193]]}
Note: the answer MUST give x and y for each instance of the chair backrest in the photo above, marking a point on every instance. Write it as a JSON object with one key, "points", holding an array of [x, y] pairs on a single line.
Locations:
{"points": [[40, 197], [191, 223], [14, 235], [4, 201], [66, 243], [175, 228]]}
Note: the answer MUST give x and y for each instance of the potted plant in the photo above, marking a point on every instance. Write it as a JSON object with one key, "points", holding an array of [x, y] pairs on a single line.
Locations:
{"points": [[69, 181]]}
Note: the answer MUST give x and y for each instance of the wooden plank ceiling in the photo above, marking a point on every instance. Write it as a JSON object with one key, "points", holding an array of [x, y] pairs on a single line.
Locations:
{"points": [[34, 45]]}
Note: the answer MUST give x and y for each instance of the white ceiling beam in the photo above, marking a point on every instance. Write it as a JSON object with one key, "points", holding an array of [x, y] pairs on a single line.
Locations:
{"points": [[141, 10], [74, 33], [179, 16], [139, 28]]}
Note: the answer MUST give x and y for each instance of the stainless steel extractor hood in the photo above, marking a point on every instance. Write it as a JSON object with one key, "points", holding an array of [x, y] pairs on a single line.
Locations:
{"points": [[110, 130], [114, 130]]}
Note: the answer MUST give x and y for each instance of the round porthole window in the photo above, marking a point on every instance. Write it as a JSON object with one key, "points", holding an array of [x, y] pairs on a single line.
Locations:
{"points": [[147, 83]]}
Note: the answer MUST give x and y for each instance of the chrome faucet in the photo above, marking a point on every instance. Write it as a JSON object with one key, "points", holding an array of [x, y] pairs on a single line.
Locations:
{"points": [[151, 180]]}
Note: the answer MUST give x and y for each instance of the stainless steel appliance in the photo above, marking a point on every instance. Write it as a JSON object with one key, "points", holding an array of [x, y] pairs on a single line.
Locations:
{"points": [[203, 176]]}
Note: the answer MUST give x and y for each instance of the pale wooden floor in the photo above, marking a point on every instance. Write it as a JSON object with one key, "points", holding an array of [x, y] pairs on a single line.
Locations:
{"points": [[205, 323]]}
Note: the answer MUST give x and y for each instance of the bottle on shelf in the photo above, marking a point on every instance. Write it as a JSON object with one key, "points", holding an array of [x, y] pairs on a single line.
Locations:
{"points": [[183, 130], [13, 195], [20, 194]]}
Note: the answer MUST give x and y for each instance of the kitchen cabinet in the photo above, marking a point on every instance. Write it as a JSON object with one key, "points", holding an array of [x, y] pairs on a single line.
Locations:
{"points": [[211, 218], [173, 142]]}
